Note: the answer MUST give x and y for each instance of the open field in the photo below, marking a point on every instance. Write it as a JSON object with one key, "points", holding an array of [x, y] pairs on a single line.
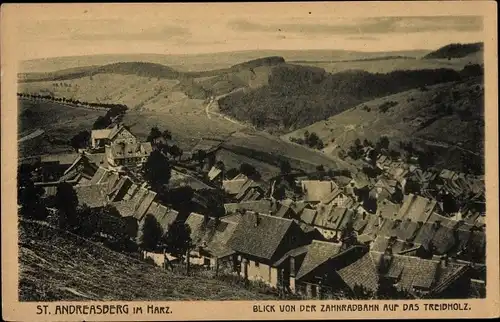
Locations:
{"points": [[200, 62], [56, 265], [59, 123], [391, 64]]}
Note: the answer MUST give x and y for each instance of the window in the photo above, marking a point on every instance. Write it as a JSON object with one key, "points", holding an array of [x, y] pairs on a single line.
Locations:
{"points": [[256, 264]]}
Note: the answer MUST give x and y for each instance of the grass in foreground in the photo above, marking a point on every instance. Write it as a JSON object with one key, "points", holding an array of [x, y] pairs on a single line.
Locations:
{"points": [[55, 265]]}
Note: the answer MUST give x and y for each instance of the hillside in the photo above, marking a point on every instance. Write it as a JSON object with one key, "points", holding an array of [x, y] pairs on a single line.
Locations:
{"points": [[200, 62], [59, 122], [456, 51], [55, 265], [297, 96], [447, 118]]}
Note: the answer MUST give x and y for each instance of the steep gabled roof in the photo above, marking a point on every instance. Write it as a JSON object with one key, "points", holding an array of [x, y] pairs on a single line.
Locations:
{"points": [[233, 187], [259, 235], [308, 216], [263, 206], [318, 253], [92, 195], [388, 209], [61, 158], [214, 173], [362, 272], [316, 190], [416, 208]]}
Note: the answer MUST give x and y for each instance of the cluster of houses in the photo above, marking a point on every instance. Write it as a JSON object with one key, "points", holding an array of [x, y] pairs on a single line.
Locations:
{"points": [[326, 239]]}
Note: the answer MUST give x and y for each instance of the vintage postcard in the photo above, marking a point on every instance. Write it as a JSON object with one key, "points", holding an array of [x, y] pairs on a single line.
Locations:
{"points": [[241, 161]]}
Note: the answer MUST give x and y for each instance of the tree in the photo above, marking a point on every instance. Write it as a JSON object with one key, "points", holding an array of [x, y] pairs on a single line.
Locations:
{"points": [[249, 171], [102, 122], [200, 156], [383, 143], [173, 150], [154, 134], [178, 239], [231, 173], [66, 202], [157, 170], [80, 140], [29, 196], [285, 167], [167, 135], [150, 233]]}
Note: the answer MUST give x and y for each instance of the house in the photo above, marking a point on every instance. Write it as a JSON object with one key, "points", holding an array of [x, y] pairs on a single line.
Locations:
{"points": [[127, 154], [417, 208], [385, 189], [317, 275], [211, 236], [330, 221], [260, 241], [388, 209], [359, 185], [208, 148], [215, 174], [421, 278], [243, 189], [316, 190], [337, 198], [263, 206], [119, 133], [53, 166], [81, 170]]}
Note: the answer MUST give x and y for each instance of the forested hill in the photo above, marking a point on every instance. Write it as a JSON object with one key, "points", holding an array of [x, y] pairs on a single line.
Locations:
{"points": [[456, 51], [297, 96]]}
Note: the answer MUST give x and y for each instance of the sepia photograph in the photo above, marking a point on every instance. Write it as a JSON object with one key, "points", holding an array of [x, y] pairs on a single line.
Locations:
{"points": [[252, 155]]}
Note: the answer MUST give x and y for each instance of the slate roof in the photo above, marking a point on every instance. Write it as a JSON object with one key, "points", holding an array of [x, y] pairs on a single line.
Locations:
{"points": [[308, 215], [92, 195], [331, 219], [373, 225], [388, 209], [62, 158], [264, 206], [214, 173], [416, 208], [316, 190], [381, 243], [425, 234], [284, 212], [99, 175], [292, 253], [361, 272], [245, 188], [234, 186], [120, 189], [218, 244], [163, 215], [195, 222], [318, 253], [412, 272], [261, 240], [207, 145], [130, 150]]}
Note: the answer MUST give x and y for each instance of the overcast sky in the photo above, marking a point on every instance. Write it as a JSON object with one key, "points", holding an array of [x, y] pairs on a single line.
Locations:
{"points": [[185, 29]]}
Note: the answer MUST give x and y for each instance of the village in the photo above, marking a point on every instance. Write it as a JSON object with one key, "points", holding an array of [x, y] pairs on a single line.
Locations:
{"points": [[404, 232]]}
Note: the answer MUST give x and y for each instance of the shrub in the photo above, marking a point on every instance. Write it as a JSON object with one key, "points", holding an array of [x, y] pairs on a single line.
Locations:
{"points": [[386, 106]]}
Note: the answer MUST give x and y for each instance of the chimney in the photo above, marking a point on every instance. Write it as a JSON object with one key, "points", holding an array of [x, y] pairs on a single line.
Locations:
{"points": [[257, 219], [444, 261], [292, 266]]}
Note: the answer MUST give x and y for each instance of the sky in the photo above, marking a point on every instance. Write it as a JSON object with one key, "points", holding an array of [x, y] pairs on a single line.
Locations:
{"points": [[52, 30]]}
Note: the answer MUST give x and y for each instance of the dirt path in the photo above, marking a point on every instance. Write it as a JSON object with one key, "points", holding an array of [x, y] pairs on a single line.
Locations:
{"points": [[31, 136]]}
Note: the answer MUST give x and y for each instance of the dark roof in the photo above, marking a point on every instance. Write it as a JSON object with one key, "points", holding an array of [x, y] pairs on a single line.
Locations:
{"points": [[261, 206], [425, 234], [407, 230], [283, 212], [318, 253], [292, 253], [163, 215], [330, 219], [308, 215], [416, 208], [92, 195], [373, 225], [62, 158], [443, 240], [387, 209], [362, 272], [259, 235], [130, 150]]}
